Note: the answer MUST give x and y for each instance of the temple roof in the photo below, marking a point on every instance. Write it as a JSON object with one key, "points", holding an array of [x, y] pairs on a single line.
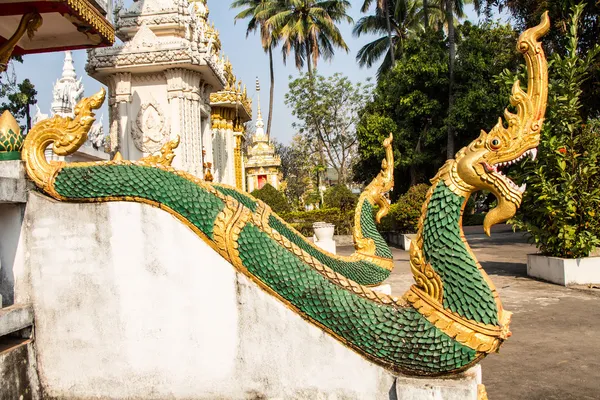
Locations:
{"points": [[160, 34]]}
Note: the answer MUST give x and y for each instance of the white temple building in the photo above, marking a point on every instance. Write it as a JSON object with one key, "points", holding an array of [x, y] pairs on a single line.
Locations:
{"points": [[67, 92], [168, 79], [263, 164]]}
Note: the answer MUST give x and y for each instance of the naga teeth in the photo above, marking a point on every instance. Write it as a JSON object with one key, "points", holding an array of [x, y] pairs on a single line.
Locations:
{"points": [[533, 153], [522, 187]]}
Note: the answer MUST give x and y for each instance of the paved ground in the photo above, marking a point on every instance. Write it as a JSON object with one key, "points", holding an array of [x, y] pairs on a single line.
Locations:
{"points": [[554, 352]]}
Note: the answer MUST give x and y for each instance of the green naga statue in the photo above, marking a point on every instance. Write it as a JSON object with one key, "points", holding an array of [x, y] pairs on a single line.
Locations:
{"points": [[448, 321]]}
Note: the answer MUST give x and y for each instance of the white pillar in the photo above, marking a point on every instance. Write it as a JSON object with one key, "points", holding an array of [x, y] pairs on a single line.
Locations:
{"points": [[175, 99]]}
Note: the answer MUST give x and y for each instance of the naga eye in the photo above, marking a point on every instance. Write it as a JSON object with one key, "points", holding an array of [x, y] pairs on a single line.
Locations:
{"points": [[495, 143]]}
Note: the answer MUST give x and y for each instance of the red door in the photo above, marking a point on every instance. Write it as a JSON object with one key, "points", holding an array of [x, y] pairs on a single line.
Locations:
{"points": [[262, 180]]}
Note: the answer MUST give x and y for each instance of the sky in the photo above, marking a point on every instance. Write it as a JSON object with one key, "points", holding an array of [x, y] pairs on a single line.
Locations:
{"points": [[246, 54]]}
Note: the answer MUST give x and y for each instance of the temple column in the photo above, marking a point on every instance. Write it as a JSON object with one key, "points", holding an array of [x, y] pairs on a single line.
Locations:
{"points": [[122, 98]]}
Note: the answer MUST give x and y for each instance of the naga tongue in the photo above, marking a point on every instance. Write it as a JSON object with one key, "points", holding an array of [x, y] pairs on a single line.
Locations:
{"points": [[502, 212]]}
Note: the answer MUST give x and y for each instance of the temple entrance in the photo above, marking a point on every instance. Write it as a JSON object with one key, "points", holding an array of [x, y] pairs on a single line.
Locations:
{"points": [[262, 180]]}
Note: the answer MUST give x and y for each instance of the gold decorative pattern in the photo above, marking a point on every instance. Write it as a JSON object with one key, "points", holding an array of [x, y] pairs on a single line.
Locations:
{"points": [[29, 24], [92, 17], [237, 162], [481, 392], [480, 337], [165, 156], [233, 93]]}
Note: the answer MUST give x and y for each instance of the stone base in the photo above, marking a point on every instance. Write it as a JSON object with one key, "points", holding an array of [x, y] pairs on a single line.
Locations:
{"points": [[327, 245], [564, 271], [18, 370], [462, 387]]}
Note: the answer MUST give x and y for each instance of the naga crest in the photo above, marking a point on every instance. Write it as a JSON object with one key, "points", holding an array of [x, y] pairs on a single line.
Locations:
{"points": [[478, 166]]}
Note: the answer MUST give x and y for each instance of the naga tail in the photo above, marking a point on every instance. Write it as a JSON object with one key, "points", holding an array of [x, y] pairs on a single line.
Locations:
{"points": [[368, 242]]}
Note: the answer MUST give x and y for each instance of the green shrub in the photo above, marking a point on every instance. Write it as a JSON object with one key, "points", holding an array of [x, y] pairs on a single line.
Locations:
{"points": [[473, 219], [339, 196], [303, 220], [562, 201], [405, 213], [272, 197]]}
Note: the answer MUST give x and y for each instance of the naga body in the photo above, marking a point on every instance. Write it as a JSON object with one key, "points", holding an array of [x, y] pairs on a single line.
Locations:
{"points": [[451, 317]]}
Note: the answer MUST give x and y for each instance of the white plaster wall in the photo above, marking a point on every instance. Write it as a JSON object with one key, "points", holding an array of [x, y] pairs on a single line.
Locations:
{"points": [[131, 304], [11, 217]]}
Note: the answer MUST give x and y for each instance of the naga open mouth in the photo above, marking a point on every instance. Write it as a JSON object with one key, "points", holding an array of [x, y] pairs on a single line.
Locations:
{"points": [[496, 172]]}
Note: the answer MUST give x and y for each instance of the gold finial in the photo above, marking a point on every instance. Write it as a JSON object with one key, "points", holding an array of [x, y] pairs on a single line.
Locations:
{"points": [[11, 140], [258, 113]]}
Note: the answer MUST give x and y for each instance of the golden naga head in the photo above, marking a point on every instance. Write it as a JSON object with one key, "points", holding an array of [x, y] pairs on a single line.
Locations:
{"points": [[480, 164]]}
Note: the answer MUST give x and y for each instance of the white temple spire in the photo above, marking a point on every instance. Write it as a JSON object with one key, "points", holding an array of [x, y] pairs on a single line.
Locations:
{"points": [[68, 90], [260, 125]]}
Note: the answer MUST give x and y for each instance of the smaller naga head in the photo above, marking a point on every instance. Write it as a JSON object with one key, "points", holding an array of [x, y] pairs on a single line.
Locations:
{"points": [[482, 164]]}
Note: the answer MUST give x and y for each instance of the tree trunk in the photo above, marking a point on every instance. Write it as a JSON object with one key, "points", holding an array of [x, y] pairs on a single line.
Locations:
{"points": [[386, 4], [309, 61], [27, 118], [452, 55], [271, 94], [426, 13], [413, 167]]}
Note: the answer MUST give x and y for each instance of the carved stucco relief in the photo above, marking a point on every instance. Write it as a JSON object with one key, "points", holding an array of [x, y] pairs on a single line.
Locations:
{"points": [[151, 129]]}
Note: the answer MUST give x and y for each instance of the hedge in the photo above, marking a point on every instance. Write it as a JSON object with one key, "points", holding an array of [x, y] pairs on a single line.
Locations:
{"points": [[303, 220]]}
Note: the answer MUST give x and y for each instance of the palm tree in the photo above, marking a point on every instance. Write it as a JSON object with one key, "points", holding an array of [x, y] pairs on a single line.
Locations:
{"points": [[308, 28], [405, 23], [259, 11], [383, 6]]}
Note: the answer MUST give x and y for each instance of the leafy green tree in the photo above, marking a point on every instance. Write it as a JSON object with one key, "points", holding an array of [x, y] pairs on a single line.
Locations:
{"points": [[272, 197], [411, 101], [297, 163], [561, 205], [20, 97], [258, 12], [327, 111], [308, 28], [339, 196], [484, 52]]}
